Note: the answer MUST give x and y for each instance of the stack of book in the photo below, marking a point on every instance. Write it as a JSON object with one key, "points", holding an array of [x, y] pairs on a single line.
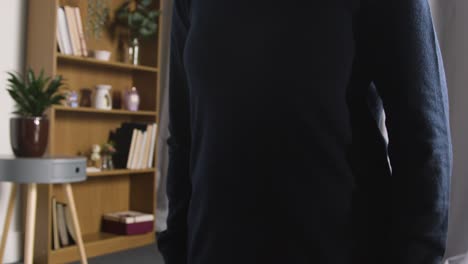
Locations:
{"points": [[62, 229], [128, 223], [70, 35], [135, 144]]}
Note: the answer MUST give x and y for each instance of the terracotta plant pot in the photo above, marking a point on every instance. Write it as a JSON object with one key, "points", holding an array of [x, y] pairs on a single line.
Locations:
{"points": [[29, 136]]}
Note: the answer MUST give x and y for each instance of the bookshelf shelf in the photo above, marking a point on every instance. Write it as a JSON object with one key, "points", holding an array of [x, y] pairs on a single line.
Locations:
{"points": [[101, 243], [110, 173], [109, 64], [107, 112]]}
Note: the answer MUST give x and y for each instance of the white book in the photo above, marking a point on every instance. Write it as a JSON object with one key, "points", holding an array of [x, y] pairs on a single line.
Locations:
{"points": [[81, 35], [62, 225], [153, 143], [131, 153], [64, 35], [129, 217], [136, 150], [54, 224], [142, 151], [147, 146], [73, 30], [59, 40], [69, 222]]}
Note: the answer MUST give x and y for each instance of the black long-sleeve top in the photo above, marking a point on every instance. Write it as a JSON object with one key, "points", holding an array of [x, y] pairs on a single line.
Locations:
{"points": [[264, 149]]}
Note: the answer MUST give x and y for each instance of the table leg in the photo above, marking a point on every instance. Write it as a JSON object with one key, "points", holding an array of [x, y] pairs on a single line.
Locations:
{"points": [[9, 216], [76, 224], [30, 223]]}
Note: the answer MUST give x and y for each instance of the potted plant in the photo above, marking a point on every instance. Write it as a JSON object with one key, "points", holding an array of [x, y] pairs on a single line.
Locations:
{"points": [[96, 20], [140, 20], [107, 151], [29, 130]]}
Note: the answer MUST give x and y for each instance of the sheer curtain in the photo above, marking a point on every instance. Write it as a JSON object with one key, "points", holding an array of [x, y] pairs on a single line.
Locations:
{"points": [[451, 20], [163, 133]]}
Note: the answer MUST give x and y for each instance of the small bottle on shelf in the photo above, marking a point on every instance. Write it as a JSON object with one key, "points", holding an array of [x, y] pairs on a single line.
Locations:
{"points": [[132, 99]]}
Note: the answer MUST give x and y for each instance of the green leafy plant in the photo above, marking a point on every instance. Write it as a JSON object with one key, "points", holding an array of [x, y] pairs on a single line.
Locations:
{"points": [[108, 148], [97, 18], [34, 95], [138, 17]]}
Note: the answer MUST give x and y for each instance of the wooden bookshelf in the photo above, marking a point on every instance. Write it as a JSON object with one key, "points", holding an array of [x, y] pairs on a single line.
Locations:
{"points": [[74, 130]]}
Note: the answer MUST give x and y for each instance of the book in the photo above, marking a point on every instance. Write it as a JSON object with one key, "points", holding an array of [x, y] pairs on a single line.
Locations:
{"points": [[59, 40], [55, 236], [141, 151], [135, 145], [136, 157], [132, 148], [69, 223], [147, 146], [122, 140], [81, 35], [73, 30], [63, 34], [134, 161], [153, 144], [128, 217], [62, 226], [122, 137]]}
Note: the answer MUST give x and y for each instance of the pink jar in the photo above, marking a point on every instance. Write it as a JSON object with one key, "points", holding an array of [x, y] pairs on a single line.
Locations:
{"points": [[132, 99]]}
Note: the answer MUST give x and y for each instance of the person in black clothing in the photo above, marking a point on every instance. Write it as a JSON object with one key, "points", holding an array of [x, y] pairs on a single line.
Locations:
{"points": [[274, 154]]}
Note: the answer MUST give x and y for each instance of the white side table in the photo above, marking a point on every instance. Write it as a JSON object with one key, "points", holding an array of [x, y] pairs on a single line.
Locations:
{"points": [[33, 171]]}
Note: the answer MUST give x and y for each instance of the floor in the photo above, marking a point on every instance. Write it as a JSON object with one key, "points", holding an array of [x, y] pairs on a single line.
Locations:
{"points": [[143, 255]]}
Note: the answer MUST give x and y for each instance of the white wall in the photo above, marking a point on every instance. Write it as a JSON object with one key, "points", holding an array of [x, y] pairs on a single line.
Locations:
{"points": [[12, 30]]}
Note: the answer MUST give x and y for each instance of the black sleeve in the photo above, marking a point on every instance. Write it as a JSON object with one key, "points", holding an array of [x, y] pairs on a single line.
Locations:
{"points": [[173, 242], [397, 41]]}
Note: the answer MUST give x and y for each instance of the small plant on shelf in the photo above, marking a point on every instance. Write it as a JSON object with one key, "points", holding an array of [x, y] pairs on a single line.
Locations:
{"points": [[96, 22], [107, 151], [97, 18], [32, 95], [140, 20]]}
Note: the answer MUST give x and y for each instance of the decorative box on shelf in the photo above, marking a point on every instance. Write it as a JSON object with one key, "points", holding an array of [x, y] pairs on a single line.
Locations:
{"points": [[128, 223]]}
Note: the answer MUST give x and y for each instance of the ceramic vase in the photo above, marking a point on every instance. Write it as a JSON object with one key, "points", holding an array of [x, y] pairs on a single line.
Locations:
{"points": [[29, 136]]}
